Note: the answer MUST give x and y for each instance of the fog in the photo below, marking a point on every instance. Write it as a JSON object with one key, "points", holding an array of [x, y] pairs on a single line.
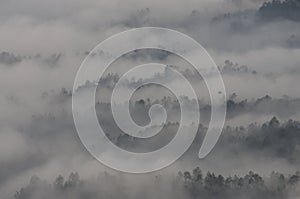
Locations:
{"points": [[255, 45]]}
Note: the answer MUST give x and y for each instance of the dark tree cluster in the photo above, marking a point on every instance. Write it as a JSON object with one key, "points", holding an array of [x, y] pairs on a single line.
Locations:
{"points": [[293, 41], [276, 9], [9, 58], [272, 139]]}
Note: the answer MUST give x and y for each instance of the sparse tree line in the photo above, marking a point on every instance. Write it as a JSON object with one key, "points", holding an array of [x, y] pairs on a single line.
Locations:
{"points": [[186, 184], [9, 59]]}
